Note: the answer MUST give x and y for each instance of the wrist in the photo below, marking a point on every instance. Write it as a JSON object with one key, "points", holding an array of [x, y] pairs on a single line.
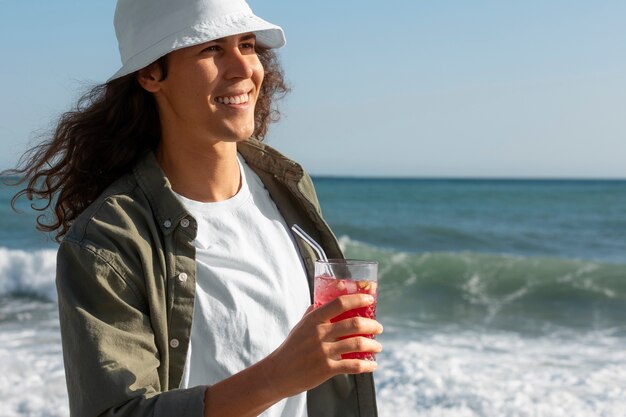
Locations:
{"points": [[245, 394], [278, 385]]}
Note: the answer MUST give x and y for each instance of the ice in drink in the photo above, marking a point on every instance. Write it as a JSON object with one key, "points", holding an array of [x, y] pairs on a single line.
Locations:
{"points": [[327, 288]]}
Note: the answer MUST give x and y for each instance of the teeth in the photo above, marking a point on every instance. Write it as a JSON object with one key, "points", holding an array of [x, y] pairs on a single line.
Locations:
{"points": [[240, 99]]}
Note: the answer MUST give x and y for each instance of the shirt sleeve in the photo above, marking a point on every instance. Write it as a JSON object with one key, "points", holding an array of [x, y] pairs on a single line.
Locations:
{"points": [[109, 351]]}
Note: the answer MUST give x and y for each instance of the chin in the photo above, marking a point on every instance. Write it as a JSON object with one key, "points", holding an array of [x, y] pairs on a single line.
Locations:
{"points": [[234, 132], [236, 137], [243, 134]]}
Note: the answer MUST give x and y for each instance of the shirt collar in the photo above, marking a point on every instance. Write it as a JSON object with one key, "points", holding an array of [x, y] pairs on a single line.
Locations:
{"points": [[262, 157], [169, 210]]}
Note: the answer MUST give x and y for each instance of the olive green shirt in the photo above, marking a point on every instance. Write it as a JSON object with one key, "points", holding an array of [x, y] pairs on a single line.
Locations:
{"points": [[126, 276]]}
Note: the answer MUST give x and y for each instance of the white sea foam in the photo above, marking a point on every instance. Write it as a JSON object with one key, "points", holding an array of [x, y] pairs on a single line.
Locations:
{"points": [[502, 374], [440, 374], [30, 273], [32, 378]]}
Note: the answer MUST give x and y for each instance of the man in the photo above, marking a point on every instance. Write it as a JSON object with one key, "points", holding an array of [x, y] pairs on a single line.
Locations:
{"points": [[181, 290]]}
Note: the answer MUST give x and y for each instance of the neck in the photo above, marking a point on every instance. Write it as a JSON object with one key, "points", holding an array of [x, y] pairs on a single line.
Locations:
{"points": [[200, 170]]}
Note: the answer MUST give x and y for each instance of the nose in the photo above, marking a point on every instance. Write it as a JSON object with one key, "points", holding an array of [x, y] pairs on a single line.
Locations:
{"points": [[240, 65]]}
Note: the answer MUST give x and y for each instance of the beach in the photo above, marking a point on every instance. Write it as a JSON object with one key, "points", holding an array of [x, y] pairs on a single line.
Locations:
{"points": [[499, 297]]}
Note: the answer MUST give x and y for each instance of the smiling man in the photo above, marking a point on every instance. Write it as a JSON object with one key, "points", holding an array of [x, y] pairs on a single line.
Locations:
{"points": [[181, 289]]}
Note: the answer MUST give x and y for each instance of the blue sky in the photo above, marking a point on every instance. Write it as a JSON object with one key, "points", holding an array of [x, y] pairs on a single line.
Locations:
{"points": [[398, 88]]}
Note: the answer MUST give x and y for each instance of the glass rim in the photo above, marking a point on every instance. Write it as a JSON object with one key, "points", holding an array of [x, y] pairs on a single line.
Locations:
{"points": [[338, 261]]}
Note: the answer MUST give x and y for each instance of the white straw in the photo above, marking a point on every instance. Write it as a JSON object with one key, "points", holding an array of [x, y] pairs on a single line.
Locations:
{"points": [[308, 239]]}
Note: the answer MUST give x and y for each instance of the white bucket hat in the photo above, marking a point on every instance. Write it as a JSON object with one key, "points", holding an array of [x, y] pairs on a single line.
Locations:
{"points": [[149, 29]]}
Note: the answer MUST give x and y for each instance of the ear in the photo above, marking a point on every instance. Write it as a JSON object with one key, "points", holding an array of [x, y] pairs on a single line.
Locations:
{"points": [[150, 77]]}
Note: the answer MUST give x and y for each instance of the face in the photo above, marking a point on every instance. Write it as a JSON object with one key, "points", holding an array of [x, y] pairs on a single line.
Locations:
{"points": [[211, 89]]}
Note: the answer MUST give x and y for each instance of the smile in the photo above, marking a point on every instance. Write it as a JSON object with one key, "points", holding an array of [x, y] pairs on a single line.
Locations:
{"points": [[238, 99]]}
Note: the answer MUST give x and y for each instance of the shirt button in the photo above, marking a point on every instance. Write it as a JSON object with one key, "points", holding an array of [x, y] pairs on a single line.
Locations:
{"points": [[167, 224], [174, 343], [182, 277], [184, 223]]}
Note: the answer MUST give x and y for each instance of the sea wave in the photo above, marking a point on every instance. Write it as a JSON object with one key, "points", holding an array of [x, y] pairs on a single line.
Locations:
{"points": [[496, 290], [28, 273], [435, 288]]}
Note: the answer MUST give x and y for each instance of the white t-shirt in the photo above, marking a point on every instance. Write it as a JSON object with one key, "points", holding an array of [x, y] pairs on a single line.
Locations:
{"points": [[251, 287]]}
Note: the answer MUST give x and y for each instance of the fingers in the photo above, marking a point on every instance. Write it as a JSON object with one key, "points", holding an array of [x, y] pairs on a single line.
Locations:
{"points": [[357, 344], [351, 326], [341, 305], [355, 366]]}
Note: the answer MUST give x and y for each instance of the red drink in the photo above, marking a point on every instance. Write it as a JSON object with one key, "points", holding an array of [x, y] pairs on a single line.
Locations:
{"points": [[328, 288]]}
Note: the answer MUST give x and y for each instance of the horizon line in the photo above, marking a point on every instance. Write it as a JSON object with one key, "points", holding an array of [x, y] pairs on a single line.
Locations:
{"points": [[467, 178], [441, 178]]}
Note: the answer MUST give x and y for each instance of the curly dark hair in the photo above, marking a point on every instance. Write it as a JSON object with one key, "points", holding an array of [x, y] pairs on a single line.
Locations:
{"points": [[111, 128]]}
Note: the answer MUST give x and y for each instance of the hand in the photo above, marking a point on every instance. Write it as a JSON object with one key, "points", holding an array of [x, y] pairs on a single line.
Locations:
{"points": [[311, 354]]}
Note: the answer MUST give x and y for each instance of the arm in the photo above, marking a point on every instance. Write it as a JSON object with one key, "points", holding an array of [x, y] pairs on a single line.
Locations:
{"points": [[110, 355]]}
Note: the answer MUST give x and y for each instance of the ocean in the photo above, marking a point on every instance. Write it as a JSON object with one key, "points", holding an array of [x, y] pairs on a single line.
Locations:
{"points": [[502, 298]]}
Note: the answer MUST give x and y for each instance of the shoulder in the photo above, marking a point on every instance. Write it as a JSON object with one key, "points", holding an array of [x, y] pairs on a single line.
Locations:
{"points": [[117, 231], [117, 211], [129, 208], [112, 241]]}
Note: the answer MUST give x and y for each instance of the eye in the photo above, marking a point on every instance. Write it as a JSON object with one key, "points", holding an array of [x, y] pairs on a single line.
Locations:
{"points": [[248, 46], [212, 48]]}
